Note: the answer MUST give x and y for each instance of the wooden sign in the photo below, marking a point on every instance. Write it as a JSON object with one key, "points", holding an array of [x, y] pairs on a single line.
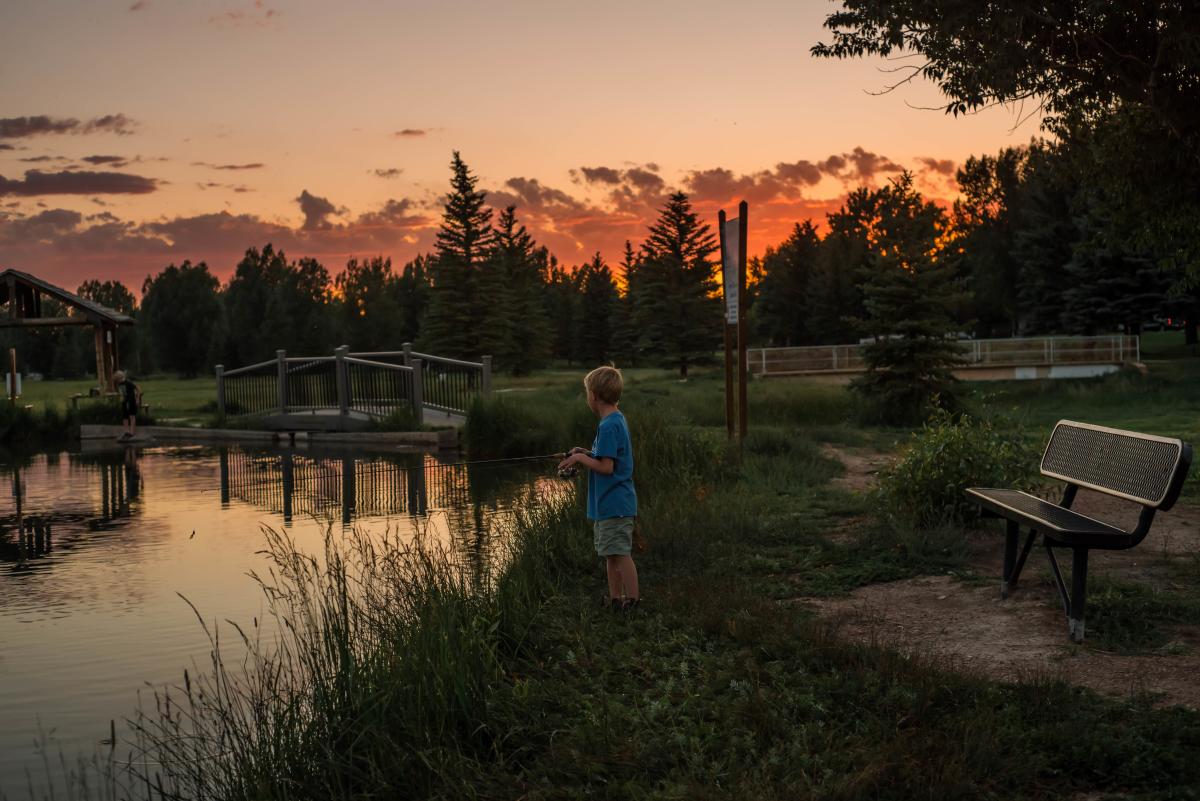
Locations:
{"points": [[733, 283]]}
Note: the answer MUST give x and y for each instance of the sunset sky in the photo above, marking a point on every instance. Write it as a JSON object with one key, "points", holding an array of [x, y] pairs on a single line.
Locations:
{"points": [[139, 133]]}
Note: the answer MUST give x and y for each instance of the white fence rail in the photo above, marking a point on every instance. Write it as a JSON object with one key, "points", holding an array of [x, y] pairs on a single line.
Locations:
{"points": [[979, 353]]}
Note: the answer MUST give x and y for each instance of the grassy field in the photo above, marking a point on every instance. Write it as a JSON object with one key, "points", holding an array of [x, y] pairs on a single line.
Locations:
{"points": [[422, 684], [173, 399]]}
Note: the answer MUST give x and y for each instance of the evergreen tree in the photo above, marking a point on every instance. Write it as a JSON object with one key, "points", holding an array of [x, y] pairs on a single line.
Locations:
{"points": [[563, 310], [625, 330], [835, 299], [515, 317], [910, 295], [464, 243], [676, 308], [781, 294], [598, 306], [1044, 239]]}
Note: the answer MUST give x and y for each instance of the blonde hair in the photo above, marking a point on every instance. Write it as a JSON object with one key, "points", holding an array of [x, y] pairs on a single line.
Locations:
{"points": [[605, 383], [119, 376]]}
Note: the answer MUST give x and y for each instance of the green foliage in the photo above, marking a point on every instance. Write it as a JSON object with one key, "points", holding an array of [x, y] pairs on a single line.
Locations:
{"points": [[516, 330], [49, 426], [598, 307], [182, 313], [1131, 618], [910, 295], [677, 315], [924, 486], [464, 244], [784, 298]]}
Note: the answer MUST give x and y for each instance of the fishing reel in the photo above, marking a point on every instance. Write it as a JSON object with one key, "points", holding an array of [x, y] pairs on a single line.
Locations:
{"points": [[568, 472]]}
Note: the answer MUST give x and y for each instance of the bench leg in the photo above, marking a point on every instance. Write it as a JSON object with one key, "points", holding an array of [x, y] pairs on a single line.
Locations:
{"points": [[1012, 533], [1078, 594]]}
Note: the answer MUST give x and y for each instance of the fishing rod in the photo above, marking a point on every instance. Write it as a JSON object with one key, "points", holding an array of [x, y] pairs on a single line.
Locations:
{"points": [[569, 472]]}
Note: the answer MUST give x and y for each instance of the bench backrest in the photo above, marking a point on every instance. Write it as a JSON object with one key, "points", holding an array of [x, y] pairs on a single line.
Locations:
{"points": [[1141, 468]]}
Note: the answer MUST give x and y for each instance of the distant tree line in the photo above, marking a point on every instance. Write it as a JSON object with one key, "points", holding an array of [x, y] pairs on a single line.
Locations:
{"points": [[1029, 248]]}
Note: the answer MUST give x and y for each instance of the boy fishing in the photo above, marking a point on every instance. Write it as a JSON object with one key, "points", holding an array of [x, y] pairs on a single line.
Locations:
{"points": [[612, 500]]}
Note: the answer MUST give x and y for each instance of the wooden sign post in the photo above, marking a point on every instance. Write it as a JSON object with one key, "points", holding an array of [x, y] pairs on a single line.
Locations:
{"points": [[733, 283]]}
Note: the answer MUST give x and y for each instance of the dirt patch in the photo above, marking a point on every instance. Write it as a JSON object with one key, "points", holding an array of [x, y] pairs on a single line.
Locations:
{"points": [[861, 466], [970, 629]]}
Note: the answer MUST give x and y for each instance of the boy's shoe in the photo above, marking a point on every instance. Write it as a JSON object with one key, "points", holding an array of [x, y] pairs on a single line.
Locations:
{"points": [[630, 606]]}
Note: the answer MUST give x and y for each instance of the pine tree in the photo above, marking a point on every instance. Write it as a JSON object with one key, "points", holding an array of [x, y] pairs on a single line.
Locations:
{"points": [[521, 324], [463, 244], [598, 305], [910, 296], [562, 310], [625, 330], [676, 309], [781, 294]]}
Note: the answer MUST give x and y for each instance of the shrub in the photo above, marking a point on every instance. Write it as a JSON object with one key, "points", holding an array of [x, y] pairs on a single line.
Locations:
{"points": [[924, 486]]}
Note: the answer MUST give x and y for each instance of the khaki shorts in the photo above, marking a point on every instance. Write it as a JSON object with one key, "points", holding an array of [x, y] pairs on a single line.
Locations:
{"points": [[614, 536]]}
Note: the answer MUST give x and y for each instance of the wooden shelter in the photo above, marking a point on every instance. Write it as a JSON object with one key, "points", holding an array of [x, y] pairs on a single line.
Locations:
{"points": [[23, 294]]}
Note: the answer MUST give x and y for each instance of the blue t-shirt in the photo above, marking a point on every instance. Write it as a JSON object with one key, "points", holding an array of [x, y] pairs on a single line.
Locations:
{"points": [[612, 495]]}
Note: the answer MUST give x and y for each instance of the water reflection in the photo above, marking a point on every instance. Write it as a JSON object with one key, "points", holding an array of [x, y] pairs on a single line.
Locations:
{"points": [[98, 546]]}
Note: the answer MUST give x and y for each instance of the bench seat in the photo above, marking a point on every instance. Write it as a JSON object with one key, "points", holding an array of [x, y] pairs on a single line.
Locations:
{"points": [[1141, 469], [1062, 524]]}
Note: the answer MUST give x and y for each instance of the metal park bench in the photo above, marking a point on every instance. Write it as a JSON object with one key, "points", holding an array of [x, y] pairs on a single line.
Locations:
{"points": [[1139, 468]]}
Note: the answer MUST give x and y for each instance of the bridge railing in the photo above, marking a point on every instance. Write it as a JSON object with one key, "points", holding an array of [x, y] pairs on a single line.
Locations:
{"points": [[448, 385], [1016, 352], [376, 384]]}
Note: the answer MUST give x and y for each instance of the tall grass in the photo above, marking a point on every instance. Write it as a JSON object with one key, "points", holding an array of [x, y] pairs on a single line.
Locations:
{"points": [[378, 667]]}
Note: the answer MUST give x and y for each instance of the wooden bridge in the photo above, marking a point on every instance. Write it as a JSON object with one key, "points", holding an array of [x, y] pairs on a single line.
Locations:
{"points": [[983, 359], [348, 391]]}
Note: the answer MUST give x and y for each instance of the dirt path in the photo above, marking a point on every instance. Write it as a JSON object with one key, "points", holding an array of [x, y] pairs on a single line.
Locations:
{"points": [[970, 629]]}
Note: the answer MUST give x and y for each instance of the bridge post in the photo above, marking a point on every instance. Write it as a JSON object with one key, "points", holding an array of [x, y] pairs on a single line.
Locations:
{"points": [[343, 380], [221, 391], [418, 390], [281, 380], [486, 383], [407, 354]]}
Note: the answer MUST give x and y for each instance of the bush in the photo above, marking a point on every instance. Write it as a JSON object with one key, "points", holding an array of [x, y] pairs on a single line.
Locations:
{"points": [[924, 486]]}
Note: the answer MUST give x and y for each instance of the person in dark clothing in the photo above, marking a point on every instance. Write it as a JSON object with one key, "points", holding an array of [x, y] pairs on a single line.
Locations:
{"points": [[131, 401]]}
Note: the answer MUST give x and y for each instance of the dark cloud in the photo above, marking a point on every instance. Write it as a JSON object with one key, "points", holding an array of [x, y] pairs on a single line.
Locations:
{"points": [[603, 175], [37, 182], [530, 194], [390, 172], [23, 127], [140, 5], [407, 132], [4, 146], [255, 165], [395, 213], [859, 166], [41, 159], [316, 211], [238, 188], [802, 172], [114, 161], [940, 166]]}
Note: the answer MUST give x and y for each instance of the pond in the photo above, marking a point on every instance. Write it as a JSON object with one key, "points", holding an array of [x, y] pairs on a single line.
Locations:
{"points": [[114, 539]]}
